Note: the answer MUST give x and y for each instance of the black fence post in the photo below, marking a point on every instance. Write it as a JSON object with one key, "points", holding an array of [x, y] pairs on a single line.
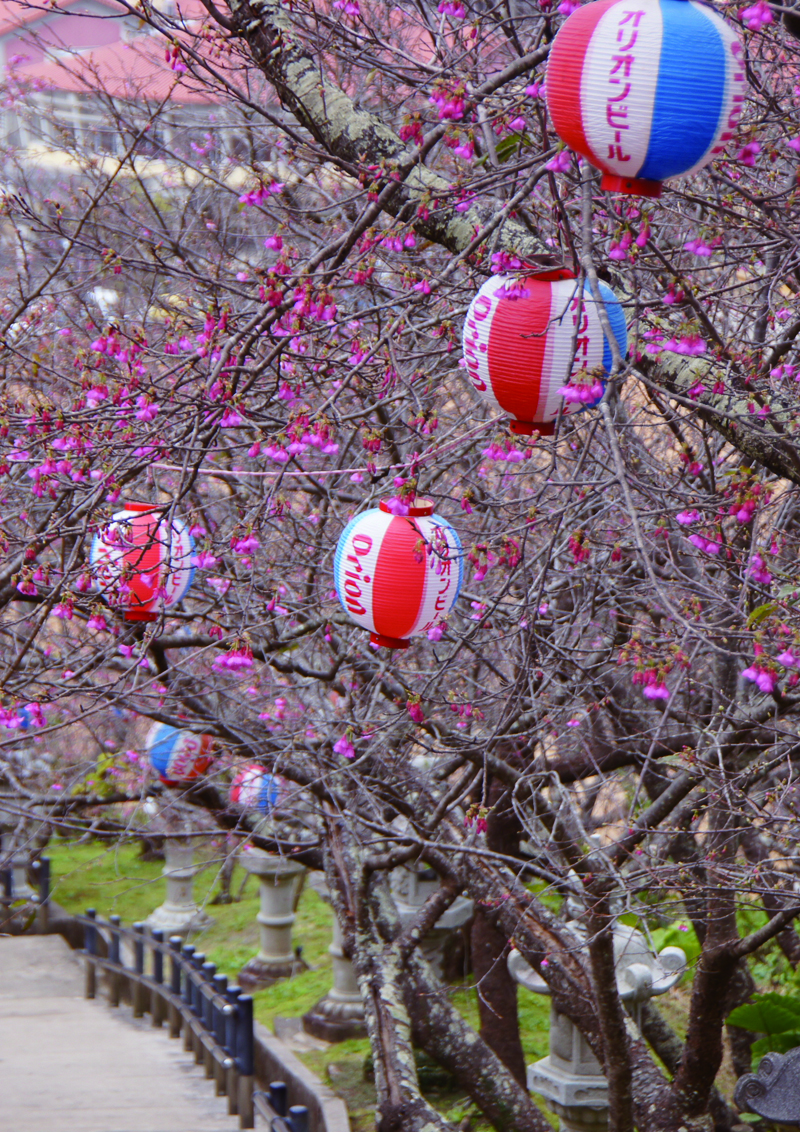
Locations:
{"points": [[156, 999], [187, 951], [42, 868], [220, 987], [209, 971], [207, 1007], [245, 1055], [115, 985], [138, 965], [278, 1098], [175, 943], [8, 884], [90, 947], [231, 1029], [298, 1118], [198, 959], [218, 1017]]}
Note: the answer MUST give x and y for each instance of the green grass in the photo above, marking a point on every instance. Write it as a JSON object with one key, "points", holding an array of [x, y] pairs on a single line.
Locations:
{"points": [[115, 880]]}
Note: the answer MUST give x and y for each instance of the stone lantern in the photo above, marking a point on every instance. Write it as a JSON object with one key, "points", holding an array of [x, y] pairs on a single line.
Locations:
{"points": [[280, 883], [340, 1014], [570, 1078], [179, 914], [411, 886], [17, 858]]}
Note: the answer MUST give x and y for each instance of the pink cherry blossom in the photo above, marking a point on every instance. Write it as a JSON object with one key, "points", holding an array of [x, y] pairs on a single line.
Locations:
{"points": [[344, 747], [756, 16]]}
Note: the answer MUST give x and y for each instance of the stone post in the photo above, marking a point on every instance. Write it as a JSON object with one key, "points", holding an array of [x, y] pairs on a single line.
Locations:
{"points": [[280, 882], [571, 1078], [340, 1014], [179, 914], [411, 886], [18, 859]]}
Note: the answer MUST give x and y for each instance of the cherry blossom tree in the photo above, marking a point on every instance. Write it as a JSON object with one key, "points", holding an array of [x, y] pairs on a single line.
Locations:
{"points": [[609, 716]]}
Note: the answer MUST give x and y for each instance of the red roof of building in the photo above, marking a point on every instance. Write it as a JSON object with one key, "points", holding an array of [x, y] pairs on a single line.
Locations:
{"points": [[16, 16], [134, 71]]}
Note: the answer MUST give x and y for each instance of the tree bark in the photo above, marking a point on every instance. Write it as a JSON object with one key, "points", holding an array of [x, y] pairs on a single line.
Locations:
{"points": [[497, 991]]}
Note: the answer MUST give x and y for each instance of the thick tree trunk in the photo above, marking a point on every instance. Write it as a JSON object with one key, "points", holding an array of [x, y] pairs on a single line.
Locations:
{"points": [[617, 1062], [497, 991], [441, 1031], [497, 995]]}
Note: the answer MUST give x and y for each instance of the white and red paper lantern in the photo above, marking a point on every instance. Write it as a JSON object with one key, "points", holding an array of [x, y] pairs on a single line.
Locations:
{"points": [[646, 91], [525, 339], [178, 756], [398, 575], [254, 788], [143, 561]]}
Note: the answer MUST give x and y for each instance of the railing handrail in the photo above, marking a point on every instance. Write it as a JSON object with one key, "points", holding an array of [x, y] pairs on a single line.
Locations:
{"points": [[217, 1018]]}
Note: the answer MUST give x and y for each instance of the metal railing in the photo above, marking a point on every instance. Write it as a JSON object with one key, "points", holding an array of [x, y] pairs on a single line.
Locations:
{"points": [[172, 981], [273, 1105]]}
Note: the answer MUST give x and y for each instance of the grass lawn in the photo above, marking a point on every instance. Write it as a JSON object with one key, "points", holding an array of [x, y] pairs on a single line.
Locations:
{"points": [[114, 879]]}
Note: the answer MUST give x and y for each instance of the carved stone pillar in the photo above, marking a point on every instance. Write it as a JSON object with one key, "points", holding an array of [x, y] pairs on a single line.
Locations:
{"points": [[340, 1014], [279, 883], [17, 859], [570, 1078], [179, 914]]}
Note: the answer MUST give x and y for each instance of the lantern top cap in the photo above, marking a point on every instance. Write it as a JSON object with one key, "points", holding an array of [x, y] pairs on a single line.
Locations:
{"points": [[551, 274], [416, 510], [133, 506]]}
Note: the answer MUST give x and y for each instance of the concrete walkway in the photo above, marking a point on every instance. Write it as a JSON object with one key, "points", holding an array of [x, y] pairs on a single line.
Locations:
{"points": [[72, 1065]]}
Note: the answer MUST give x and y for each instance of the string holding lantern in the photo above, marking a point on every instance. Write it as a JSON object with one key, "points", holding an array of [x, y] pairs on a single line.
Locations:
{"points": [[645, 91], [178, 756], [143, 561], [398, 575], [526, 339], [254, 789]]}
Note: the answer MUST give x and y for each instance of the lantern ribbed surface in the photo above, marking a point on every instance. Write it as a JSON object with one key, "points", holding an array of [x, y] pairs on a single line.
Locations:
{"points": [[646, 90], [147, 554], [178, 756], [398, 575], [255, 789], [519, 336]]}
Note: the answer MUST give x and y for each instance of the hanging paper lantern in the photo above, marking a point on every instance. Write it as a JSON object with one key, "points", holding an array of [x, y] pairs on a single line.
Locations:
{"points": [[255, 789], [525, 339], [178, 756], [398, 576], [645, 91], [143, 561]]}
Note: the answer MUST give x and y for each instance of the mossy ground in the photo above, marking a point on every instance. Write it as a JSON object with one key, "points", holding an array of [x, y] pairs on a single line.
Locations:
{"points": [[115, 879]]}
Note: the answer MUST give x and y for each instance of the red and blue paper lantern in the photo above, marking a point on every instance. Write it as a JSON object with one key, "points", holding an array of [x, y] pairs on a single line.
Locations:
{"points": [[525, 339], [143, 561], [646, 91], [178, 756], [398, 575], [254, 789]]}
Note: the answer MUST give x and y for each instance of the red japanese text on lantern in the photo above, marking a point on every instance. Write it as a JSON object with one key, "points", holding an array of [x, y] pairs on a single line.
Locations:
{"points": [[580, 321], [617, 100]]}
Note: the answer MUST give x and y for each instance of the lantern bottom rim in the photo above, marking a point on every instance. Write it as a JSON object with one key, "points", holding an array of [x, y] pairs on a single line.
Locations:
{"points": [[389, 642], [528, 428], [635, 186], [140, 615]]}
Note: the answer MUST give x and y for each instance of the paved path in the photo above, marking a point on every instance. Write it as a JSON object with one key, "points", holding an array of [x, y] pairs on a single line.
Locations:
{"points": [[70, 1065]]}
